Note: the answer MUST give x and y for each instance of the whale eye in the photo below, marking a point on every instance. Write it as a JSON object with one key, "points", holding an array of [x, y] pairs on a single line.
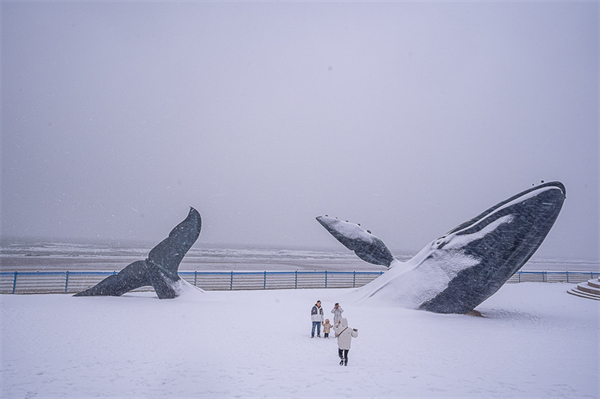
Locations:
{"points": [[369, 231]]}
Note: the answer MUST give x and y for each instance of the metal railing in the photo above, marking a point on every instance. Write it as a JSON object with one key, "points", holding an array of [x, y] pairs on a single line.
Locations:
{"points": [[552, 277], [72, 282]]}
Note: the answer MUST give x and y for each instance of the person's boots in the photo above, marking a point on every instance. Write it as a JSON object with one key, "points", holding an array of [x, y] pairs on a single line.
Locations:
{"points": [[345, 361]]}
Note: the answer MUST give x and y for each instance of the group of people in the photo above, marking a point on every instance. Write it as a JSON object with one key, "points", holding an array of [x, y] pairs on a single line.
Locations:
{"points": [[343, 333]]}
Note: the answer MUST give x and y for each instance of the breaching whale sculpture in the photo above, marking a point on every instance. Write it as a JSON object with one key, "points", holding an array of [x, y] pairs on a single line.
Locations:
{"points": [[159, 269], [465, 266]]}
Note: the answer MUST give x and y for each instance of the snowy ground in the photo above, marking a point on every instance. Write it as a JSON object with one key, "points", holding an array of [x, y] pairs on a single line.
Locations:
{"points": [[534, 341]]}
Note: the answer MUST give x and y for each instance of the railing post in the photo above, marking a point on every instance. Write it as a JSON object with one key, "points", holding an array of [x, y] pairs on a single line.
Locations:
{"points": [[296, 281], [567, 272], [15, 283], [265, 281], [519, 277], [325, 278], [66, 281], [354, 279], [231, 281], [195, 277]]}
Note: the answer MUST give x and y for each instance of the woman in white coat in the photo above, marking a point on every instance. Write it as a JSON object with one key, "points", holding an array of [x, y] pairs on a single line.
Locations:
{"points": [[337, 313], [344, 336]]}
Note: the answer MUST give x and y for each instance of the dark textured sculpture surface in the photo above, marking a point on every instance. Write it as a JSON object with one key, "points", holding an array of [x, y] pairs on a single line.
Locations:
{"points": [[467, 265], [365, 245], [159, 269]]}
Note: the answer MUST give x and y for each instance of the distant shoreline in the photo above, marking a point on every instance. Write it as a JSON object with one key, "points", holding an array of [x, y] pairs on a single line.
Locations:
{"points": [[68, 256]]}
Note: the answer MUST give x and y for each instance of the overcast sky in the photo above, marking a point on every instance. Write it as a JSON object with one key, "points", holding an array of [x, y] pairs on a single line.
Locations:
{"points": [[409, 118]]}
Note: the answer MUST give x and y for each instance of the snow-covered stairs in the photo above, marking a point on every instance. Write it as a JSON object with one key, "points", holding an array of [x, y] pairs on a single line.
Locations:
{"points": [[589, 289]]}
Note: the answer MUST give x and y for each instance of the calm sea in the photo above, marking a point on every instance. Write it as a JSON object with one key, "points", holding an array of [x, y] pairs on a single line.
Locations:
{"points": [[48, 255]]}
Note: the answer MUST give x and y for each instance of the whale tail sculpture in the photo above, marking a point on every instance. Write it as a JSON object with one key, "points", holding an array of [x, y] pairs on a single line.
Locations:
{"points": [[465, 266], [159, 269]]}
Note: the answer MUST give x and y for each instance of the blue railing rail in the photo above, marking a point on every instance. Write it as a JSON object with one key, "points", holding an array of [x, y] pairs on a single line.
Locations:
{"points": [[40, 274], [69, 281], [72, 281], [554, 276]]}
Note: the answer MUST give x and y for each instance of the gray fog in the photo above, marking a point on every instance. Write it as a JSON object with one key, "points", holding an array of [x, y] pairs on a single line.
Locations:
{"points": [[409, 118]]}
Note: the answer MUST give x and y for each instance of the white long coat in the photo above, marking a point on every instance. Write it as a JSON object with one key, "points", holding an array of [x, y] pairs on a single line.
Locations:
{"points": [[337, 314], [345, 334]]}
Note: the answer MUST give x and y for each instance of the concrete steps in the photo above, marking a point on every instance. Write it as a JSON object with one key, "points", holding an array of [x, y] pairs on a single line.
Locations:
{"points": [[589, 289], [594, 283]]}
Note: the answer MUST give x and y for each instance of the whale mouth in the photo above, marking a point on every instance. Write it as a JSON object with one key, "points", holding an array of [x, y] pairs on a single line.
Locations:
{"points": [[559, 194]]}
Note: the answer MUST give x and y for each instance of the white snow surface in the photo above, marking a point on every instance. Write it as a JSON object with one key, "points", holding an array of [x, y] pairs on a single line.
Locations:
{"points": [[534, 340], [414, 282]]}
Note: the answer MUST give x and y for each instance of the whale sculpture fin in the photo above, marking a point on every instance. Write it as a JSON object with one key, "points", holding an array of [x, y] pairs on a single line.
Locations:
{"points": [[167, 255], [159, 269], [131, 277], [364, 244]]}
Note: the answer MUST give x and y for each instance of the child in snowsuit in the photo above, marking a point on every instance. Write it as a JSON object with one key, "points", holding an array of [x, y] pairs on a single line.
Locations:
{"points": [[344, 336], [326, 328]]}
